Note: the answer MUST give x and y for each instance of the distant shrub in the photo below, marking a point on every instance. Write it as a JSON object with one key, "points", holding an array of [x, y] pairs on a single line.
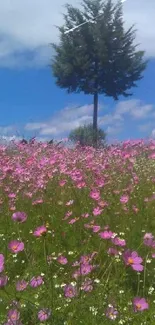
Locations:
{"points": [[86, 136]]}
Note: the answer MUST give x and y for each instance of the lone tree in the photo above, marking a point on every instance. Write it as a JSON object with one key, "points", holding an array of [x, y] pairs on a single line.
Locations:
{"points": [[100, 56], [85, 136]]}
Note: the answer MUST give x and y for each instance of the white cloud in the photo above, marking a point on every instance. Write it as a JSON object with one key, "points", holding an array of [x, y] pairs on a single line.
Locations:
{"points": [[110, 119], [69, 118], [64, 121], [49, 130], [135, 108], [5, 130], [34, 126], [153, 134], [146, 127], [29, 26], [72, 117], [141, 13], [113, 130]]}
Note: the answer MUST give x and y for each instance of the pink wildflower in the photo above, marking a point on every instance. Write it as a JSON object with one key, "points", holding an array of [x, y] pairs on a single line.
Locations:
{"points": [[132, 259], [96, 228], [38, 201], [148, 239], [3, 280], [102, 204], [81, 184], [70, 202], [113, 251], [85, 259], [72, 221], [140, 304], [13, 315], [62, 260], [36, 281], [87, 286], [1, 263], [100, 182], [111, 313], [85, 269], [16, 246], [40, 231], [44, 314], [85, 215], [70, 291], [124, 199], [95, 194], [152, 156], [12, 208], [19, 216], [11, 195], [106, 234], [21, 285], [118, 241], [62, 182], [97, 211], [68, 214]]}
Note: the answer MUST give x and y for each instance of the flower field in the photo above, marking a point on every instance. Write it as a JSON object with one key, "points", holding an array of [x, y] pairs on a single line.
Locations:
{"points": [[77, 234]]}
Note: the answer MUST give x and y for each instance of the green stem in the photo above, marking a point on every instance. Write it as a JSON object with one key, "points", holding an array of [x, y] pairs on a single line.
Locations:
{"points": [[21, 298], [138, 285], [144, 281]]}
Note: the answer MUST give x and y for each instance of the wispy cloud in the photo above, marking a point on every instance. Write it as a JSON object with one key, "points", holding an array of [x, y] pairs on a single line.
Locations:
{"points": [[135, 108], [6, 130], [64, 121], [71, 117], [153, 134], [135, 112], [34, 126], [114, 130], [146, 127], [29, 27]]}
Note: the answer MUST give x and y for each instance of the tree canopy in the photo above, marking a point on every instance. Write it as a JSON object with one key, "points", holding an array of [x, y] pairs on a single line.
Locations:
{"points": [[99, 57]]}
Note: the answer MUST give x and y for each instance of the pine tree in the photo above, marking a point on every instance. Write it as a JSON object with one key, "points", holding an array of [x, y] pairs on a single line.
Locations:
{"points": [[99, 57]]}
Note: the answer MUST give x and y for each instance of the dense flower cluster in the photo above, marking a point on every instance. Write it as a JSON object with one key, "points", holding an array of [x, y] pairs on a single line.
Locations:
{"points": [[77, 234]]}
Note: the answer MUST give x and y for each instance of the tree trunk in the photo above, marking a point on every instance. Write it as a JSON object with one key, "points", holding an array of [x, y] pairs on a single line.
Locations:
{"points": [[95, 113]]}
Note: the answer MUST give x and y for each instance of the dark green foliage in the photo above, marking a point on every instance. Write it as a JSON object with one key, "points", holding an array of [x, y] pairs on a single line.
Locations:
{"points": [[97, 58], [85, 135]]}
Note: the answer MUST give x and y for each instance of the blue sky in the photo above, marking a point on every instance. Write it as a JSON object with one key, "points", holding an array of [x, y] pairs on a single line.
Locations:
{"points": [[31, 103]]}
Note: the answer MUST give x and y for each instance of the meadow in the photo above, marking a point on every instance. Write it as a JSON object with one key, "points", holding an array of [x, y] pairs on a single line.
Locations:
{"points": [[77, 234]]}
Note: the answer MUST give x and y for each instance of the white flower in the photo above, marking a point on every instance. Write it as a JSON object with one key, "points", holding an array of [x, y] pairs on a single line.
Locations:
{"points": [[121, 291], [57, 285], [70, 253], [62, 285], [150, 291]]}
